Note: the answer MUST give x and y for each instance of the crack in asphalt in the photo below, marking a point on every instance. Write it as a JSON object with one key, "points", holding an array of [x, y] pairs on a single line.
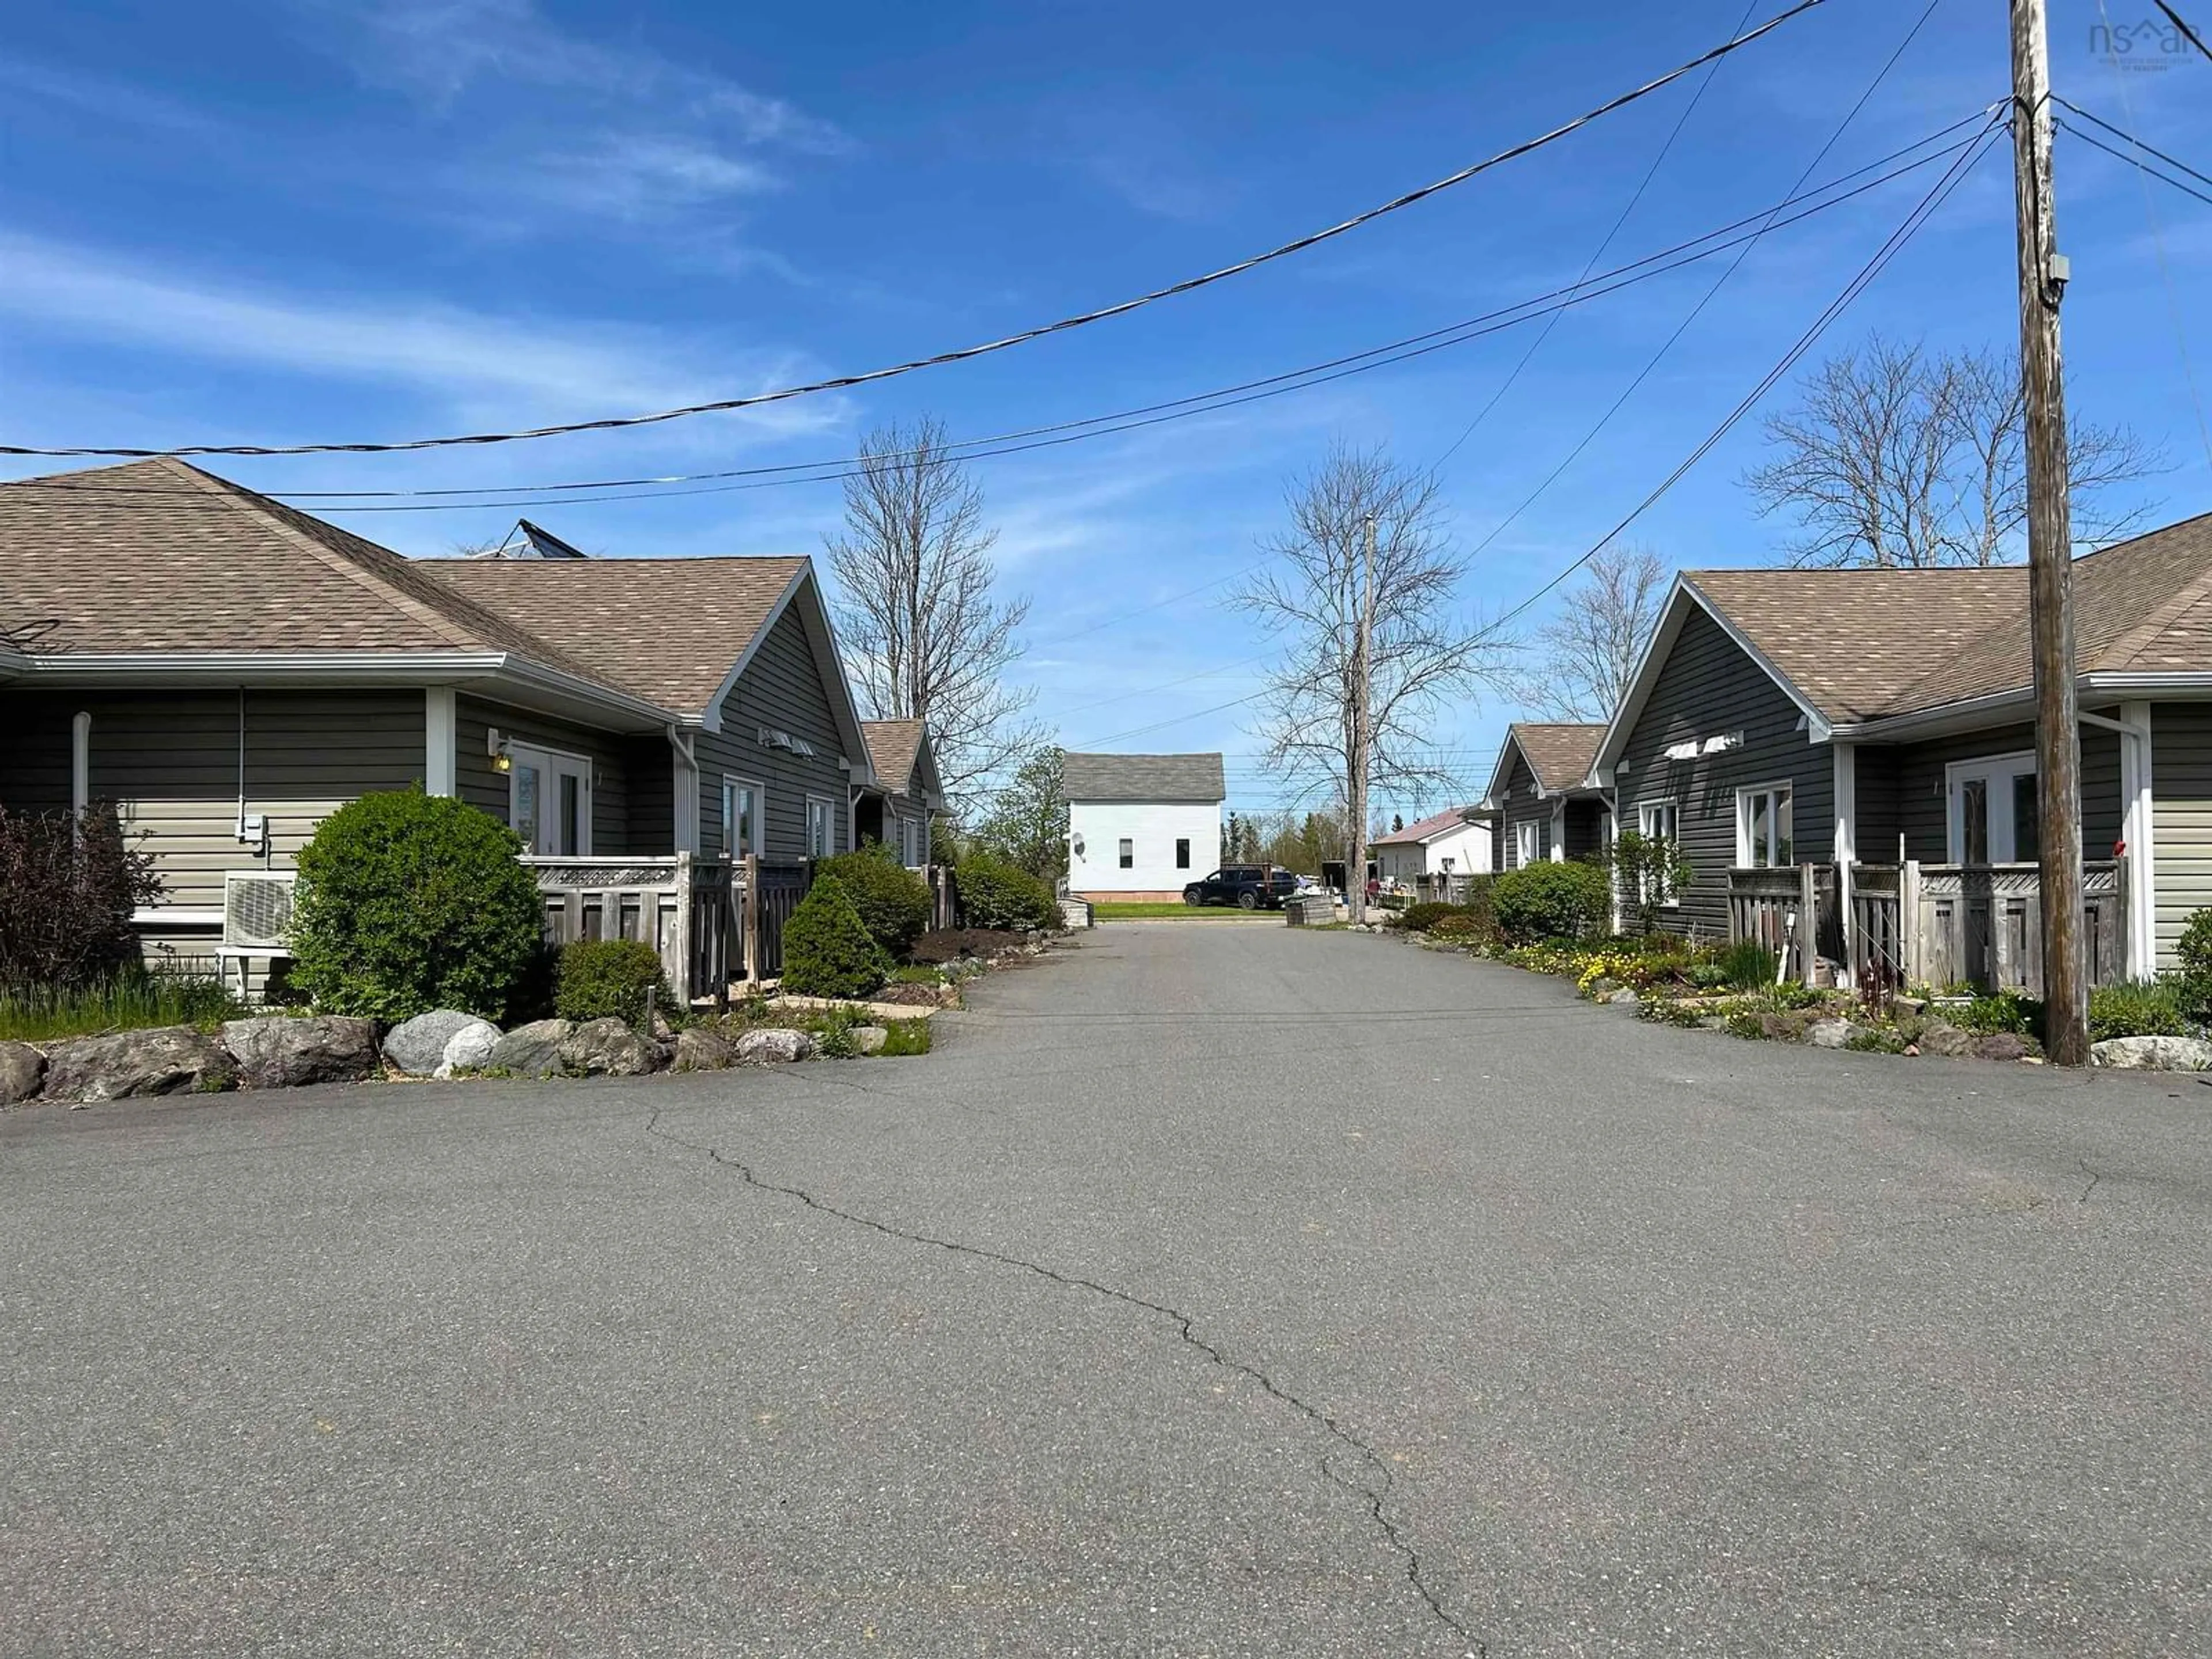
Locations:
{"points": [[1371, 1496], [2093, 1179]]}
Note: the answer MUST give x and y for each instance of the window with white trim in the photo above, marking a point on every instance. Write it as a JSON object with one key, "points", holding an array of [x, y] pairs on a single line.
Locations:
{"points": [[1662, 820], [1995, 809], [1763, 838], [820, 827], [1128, 853], [1528, 842], [549, 800], [743, 804]]}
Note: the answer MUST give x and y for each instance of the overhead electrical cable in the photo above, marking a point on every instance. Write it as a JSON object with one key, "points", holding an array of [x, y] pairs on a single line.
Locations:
{"points": [[1642, 185], [1188, 284], [2204, 178], [1919, 216], [1713, 293], [2135, 161]]}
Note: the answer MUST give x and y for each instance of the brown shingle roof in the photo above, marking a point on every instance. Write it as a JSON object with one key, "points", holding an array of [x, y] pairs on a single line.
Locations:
{"points": [[668, 630], [1453, 818], [1559, 754], [160, 556], [1864, 644], [892, 746], [1143, 777]]}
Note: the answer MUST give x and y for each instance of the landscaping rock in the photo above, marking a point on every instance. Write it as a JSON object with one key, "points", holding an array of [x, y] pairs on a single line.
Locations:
{"points": [[417, 1046], [2002, 1045], [1784, 1028], [468, 1049], [1830, 1033], [608, 1047], [700, 1050], [532, 1050], [868, 1039], [280, 1051], [1946, 1040], [22, 1069], [773, 1046], [166, 1059], [2139, 1054]]}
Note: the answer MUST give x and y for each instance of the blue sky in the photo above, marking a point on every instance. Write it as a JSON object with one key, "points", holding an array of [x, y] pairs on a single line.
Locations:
{"points": [[330, 220]]}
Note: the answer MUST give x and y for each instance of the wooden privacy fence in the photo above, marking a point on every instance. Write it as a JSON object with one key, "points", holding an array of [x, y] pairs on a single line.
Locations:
{"points": [[769, 891], [1980, 924], [681, 905], [945, 896], [1931, 924]]}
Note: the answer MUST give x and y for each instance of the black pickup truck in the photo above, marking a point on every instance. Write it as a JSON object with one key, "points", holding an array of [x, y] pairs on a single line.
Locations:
{"points": [[1247, 886]]}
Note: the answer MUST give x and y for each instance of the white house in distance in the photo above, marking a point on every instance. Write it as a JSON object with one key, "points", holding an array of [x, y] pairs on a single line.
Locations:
{"points": [[1450, 843], [1141, 826]]}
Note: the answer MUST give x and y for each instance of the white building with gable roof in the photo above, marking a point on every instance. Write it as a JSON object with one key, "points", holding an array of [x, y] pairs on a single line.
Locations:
{"points": [[1141, 827]]}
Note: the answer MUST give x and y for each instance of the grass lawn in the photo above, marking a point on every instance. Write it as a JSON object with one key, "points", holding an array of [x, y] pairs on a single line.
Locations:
{"points": [[1170, 907]]}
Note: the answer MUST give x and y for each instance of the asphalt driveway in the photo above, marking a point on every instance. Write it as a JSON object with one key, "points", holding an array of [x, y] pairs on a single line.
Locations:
{"points": [[1209, 1291]]}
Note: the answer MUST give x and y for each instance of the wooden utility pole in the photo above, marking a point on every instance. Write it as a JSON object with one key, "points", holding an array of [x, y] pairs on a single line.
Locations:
{"points": [[2050, 543], [1355, 782]]}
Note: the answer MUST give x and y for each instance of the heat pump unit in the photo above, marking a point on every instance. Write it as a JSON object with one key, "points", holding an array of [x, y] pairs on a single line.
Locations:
{"points": [[257, 910]]}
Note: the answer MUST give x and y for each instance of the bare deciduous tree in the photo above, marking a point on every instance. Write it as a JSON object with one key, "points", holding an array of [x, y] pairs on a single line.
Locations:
{"points": [[1423, 651], [925, 637], [1590, 649], [1898, 457]]}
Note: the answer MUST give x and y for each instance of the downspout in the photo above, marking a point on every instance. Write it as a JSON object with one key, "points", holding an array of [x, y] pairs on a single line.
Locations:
{"points": [[80, 762], [2138, 839]]}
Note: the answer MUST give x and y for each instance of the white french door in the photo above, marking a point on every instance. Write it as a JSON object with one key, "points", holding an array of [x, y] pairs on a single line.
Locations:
{"points": [[1994, 810], [550, 801]]}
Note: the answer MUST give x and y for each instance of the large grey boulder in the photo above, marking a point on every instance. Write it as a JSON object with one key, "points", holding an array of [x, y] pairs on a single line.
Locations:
{"points": [[278, 1051], [773, 1046], [868, 1039], [22, 1070], [607, 1047], [468, 1049], [164, 1059], [2153, 1054], [417, 1046], [1830, 1033], [532, 1050], [701, 1049]]}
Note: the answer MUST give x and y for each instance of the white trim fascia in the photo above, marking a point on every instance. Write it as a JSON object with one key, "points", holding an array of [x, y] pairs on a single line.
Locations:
{"points": [[440, 741], [1845, 850], [1817, 728], [1501, 771], [2139, 832]]}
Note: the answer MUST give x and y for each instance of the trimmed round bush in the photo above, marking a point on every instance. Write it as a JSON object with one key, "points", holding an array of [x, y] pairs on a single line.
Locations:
{"points": [[407, 902], [891, 899], [996, 894], [1421, 917], [612, 979], [828, 950], [1550, 901]]}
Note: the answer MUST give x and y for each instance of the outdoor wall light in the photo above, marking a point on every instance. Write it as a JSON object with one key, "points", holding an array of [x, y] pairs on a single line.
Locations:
{"points": [[503, 758], [1078, 843]]}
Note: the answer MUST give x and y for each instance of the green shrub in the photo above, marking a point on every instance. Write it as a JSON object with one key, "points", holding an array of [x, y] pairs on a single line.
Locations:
{"points": [[1462, 927], [407, 902], [2194, 952], [994, 893], [2007, 1010], [1747, 965], [612, 978], [828, 950], [891, 899], [1550, 901], [2137, 1008], [1749, 1023], [1708, 975]]}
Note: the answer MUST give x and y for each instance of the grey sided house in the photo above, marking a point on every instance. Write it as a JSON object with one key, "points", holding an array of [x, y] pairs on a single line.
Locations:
{"points": [[1875, 725], [1546, 807], [905, 793], [226, 671]]}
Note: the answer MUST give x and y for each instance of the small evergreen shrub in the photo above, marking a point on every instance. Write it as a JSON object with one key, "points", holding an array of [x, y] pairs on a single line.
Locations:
{"points": [[2137, 1008], [1421, 917], [995, 894], [1550, 901], [407, 902], [828, 950], [2194, 952], [612, 978], [891, 899]]}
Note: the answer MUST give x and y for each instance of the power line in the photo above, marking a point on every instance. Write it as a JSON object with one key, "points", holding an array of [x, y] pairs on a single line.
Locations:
{"points": [[2188, 33], [1712, 293], [1189, 284], [1648, 267], [2118, 132], [1922, 210], [1836, 307], [2135, 161], [1642, 185]]}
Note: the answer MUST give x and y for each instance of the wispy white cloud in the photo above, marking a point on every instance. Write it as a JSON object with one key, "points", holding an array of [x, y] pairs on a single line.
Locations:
{"points": [[469, 361], [114, 102]]}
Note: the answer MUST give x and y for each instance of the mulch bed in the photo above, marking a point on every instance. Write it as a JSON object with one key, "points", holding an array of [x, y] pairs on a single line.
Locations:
{"points": [[950, 944], [909, 996]]}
